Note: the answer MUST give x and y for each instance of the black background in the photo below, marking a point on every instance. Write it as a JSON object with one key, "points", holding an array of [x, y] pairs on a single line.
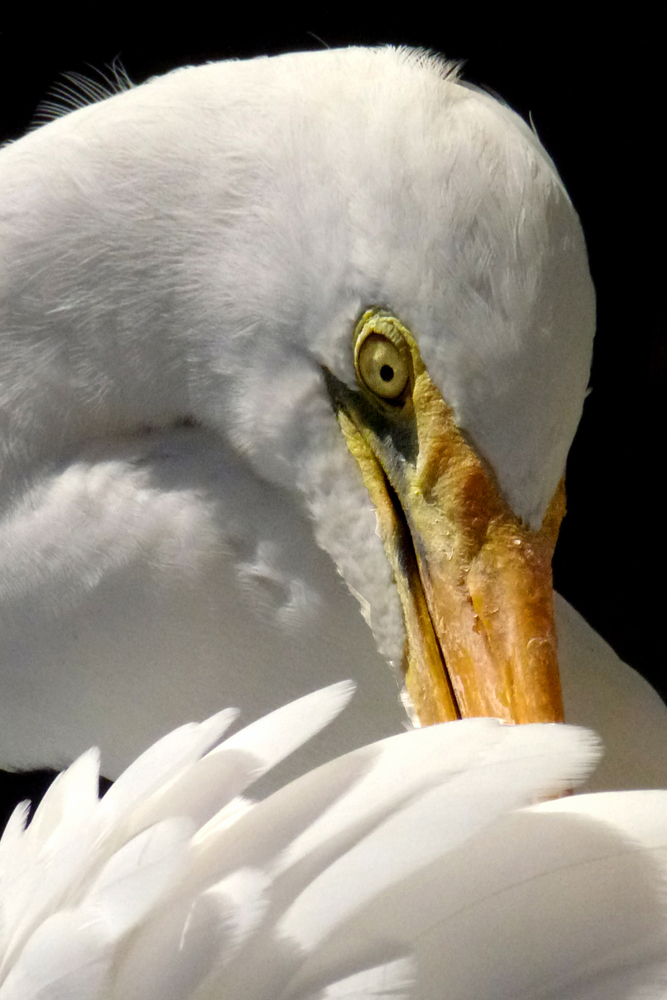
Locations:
{"points": [[593, 92]]}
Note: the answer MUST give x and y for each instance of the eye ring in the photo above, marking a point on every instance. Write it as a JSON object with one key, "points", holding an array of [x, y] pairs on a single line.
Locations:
{"points": [[382, 357]]}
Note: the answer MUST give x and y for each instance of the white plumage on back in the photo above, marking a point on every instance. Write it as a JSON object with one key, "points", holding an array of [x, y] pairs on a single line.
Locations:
{"points": [[400, 870]]}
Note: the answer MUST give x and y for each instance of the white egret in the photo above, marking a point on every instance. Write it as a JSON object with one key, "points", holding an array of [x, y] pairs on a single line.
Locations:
{"points": [[174, 887], [235, 300]]}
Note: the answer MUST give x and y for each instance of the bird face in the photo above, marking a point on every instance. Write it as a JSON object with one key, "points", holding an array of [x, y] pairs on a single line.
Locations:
{"points": [[474, 581]]}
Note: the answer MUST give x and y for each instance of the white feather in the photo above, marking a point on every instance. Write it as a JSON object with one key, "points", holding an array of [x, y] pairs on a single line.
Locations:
{"points": [[501, 773], [162, 763], [137, 875], [403, 870], [244, 757], [64, 960], [390, 981]]}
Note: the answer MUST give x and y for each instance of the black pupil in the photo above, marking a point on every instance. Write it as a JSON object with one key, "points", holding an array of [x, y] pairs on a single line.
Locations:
{"points": [[386, 373]]}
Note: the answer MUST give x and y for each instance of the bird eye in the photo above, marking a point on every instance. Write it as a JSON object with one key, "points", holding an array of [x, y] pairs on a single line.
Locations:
{"points": [[382, 366]]}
